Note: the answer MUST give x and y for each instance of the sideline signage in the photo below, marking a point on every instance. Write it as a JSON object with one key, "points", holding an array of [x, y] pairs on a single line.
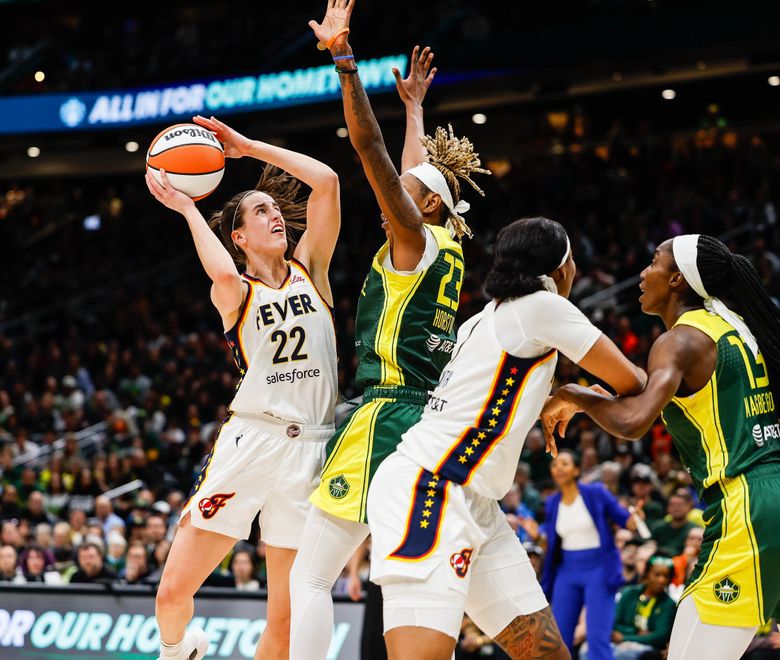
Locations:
{"points": [[113, 109], [57, 623]]}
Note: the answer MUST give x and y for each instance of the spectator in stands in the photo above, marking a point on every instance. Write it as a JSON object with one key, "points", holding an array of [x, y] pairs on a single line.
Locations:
{"points": [[10, 534], [644, 615], [9, 505], [116, 551], [36, 511], [9, 570], [104, 511], [137, 565], [62, 545], [685, 562], [643, 490], [36, 567], [155, 530], [90, 565], [243, 569], [670, 533]]}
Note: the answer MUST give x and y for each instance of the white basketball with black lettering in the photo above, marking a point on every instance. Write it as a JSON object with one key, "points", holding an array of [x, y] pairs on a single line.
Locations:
{"points": [[191, 156]]}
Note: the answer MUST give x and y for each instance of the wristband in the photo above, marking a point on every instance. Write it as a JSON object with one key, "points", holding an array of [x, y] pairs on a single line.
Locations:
{"points": [[329, 43]]}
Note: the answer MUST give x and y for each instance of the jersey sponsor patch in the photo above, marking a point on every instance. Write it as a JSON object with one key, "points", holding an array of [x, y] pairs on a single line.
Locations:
{"points": [[209, 506], [460, 561], [338, 487], [726, 591]]}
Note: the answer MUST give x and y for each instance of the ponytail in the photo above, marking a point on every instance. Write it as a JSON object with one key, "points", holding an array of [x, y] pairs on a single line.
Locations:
{"points": [[724, 273]]}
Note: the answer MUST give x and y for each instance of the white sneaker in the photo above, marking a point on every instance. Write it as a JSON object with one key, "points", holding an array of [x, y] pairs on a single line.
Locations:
{"points": [[193, 647], [195, 644]]}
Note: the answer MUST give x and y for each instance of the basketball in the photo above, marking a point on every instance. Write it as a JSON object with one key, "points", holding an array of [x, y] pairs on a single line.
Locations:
{"points": [[191, 156]]}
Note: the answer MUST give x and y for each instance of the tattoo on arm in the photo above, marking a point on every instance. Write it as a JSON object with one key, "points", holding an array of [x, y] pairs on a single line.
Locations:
{"points": [[368, 141], [533, 637]]}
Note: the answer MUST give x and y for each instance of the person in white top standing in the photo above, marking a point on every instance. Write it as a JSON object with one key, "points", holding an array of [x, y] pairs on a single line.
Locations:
{"points": [[441, 545], [277, 317], [582, 565]]}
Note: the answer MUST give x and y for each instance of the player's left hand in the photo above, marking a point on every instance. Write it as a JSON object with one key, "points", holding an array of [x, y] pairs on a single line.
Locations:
{"points": [[336, 19], [235, 144], [413, 88]]}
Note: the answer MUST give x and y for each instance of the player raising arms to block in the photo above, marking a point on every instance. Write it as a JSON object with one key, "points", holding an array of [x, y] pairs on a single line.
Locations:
{"points": [[404, 330], [440, 543], [714, 378], [278, 320]]}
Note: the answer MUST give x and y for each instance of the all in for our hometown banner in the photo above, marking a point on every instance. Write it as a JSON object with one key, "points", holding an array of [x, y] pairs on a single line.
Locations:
{"points": [[51, 626]]}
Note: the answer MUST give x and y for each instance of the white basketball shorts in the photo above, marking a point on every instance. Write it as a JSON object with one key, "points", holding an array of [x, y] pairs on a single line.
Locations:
{"points": [[259, 464], [439, 549]]}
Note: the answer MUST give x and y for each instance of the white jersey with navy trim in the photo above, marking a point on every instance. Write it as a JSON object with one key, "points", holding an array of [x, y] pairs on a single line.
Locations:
{"points": [[284, 344], [492, 391]]}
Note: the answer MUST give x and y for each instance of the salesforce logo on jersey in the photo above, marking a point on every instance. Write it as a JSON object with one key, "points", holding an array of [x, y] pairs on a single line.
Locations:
{"points": [[98, 627]]}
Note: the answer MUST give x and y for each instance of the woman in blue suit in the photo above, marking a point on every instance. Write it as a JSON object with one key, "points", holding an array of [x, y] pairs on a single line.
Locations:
{"points": [[582, 565]]}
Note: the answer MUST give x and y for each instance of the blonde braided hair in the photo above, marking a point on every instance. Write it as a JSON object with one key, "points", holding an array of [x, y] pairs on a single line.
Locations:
{"points": [[456, 159]]}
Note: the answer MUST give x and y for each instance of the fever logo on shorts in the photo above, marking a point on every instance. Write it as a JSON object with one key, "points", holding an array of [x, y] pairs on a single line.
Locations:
{"points": [[210, 505], [338, 487], [726, 591], [460, 561]]}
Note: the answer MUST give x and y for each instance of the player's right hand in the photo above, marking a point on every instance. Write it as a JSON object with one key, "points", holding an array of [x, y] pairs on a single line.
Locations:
{"points": [[167, 195]]}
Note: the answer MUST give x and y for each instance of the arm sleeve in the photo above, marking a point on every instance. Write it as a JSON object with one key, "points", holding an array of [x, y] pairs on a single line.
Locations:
{"points": [[557, 323]]}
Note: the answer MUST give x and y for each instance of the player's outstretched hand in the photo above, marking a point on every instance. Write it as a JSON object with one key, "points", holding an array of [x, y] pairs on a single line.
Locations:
{"points": [[235, 144], [336, 20], [413, 88], [167, 195]]}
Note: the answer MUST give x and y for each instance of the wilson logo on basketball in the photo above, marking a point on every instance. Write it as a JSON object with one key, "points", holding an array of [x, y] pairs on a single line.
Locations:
{"points": [[210, 505], [460, 561]]}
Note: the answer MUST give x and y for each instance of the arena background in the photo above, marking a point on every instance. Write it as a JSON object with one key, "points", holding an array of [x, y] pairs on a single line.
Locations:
{"points": [[628, 121]]}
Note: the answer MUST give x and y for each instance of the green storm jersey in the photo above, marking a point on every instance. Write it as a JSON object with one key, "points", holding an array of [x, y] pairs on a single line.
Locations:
{"points": [[731, 424], [405, 324]]}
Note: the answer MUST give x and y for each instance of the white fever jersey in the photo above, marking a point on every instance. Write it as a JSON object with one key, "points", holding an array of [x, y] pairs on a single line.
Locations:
{"points": [[492, 391], [284, 344]]}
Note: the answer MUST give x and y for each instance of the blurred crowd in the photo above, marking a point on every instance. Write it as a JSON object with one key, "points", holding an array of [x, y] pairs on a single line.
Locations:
{"points": [[113, 370]]}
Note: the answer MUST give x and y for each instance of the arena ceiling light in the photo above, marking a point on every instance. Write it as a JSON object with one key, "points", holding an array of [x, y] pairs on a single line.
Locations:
{"points": [[342, 132], [131, 146], [33, 152], [479, 118], [40, 76], [774, 81], [669, 94]]}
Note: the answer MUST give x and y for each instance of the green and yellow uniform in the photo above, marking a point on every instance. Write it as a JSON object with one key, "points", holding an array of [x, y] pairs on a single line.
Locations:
{"points": [[728, 436], [404, 336]]}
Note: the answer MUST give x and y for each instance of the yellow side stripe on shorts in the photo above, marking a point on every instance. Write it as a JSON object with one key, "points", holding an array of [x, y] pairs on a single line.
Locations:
{"points": [[753, 544]]}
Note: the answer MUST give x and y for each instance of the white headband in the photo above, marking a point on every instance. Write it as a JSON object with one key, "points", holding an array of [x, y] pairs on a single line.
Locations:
{"points": [[436, 182], [547, 281], [685, 250]]}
